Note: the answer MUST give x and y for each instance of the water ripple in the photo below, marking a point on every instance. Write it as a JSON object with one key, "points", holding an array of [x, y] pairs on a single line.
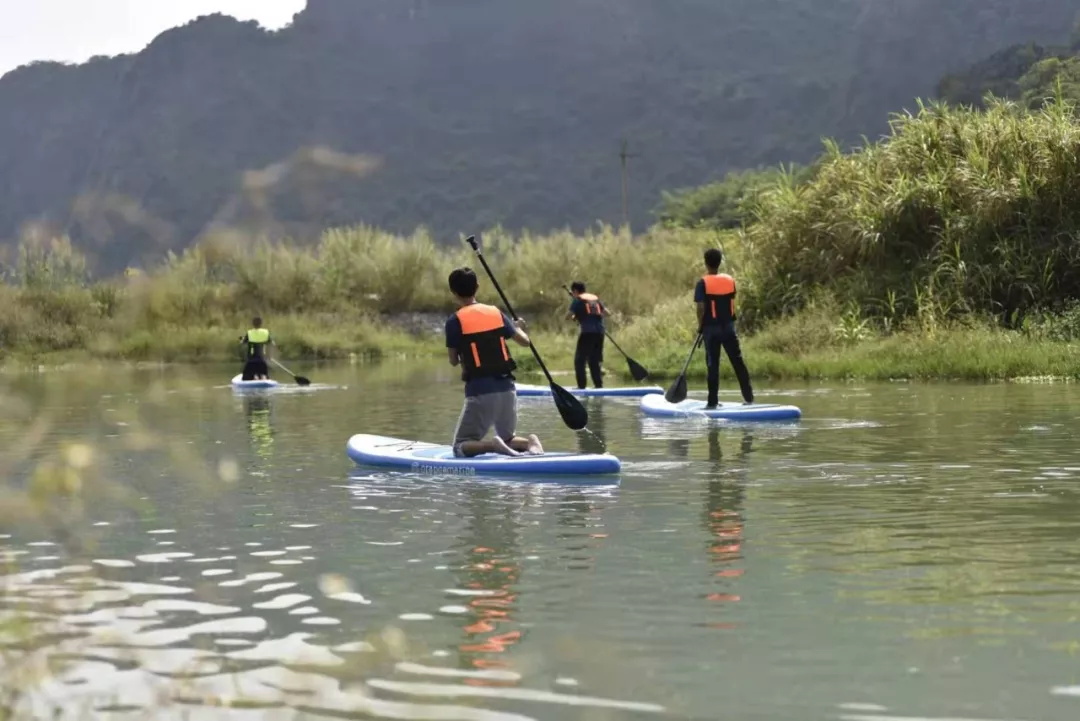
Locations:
{"points": [[904, 546]]}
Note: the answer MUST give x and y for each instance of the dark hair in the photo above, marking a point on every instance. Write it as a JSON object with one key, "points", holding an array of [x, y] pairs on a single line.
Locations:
{"points": [[577, 286], [713, 258], [463, 282], [256, 321]]}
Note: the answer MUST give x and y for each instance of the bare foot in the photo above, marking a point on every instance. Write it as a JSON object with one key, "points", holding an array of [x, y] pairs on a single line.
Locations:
{"points": [[535, 449], [502, 448]]}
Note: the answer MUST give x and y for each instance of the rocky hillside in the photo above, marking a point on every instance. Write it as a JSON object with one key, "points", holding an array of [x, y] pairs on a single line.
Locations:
{"points": [[460, 114]]}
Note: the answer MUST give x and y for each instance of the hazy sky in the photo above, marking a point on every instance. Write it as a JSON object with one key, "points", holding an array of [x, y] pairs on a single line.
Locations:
{"points": [[74, 30]]}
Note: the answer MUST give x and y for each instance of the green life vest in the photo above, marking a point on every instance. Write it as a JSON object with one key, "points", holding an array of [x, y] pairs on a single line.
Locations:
{"points": [[257, 338]]}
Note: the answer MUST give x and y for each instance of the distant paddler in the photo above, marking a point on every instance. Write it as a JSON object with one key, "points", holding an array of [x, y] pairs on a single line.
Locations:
{"points": [[587, 309], [257, 341], [715, 299]]}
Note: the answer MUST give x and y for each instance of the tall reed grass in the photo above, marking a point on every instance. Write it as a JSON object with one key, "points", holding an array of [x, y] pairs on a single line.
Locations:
{"points": [[344, 295], [958, 212]]}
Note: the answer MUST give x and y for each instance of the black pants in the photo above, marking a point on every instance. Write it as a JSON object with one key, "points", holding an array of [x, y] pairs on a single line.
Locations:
{"points": [[254, 367], [715, 339], [590, 349]]}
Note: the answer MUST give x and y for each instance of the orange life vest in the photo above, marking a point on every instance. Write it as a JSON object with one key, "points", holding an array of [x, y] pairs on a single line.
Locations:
{"points": [[719, 299], [483, 347], [592, 306]]}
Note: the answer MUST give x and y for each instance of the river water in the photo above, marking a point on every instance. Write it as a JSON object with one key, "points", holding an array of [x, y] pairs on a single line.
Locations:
{"points": [[179, 550]]}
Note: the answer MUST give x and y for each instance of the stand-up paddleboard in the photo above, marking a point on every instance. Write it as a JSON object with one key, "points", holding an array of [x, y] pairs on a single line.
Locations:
{"points": [[657, 405], [421, 457], [238, 383], [525, 389]]}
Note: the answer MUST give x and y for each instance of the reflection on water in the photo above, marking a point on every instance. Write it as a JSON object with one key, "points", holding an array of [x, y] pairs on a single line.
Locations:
{"points": [[594, 438], [487, 577], [723, 520], [901, 553], [579, 516], [257, 410]]}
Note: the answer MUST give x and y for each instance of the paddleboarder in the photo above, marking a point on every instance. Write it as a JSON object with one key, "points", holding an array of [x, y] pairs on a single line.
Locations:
{"points": [[589, 312], [257, 339], [715, 299], [476, 340]]}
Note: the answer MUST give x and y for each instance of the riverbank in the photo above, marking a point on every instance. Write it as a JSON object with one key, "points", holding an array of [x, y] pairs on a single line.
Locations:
{"points": [[822, 343], [359, 291], [299, 337], [973, 354], [796, 349], [165, 320]]}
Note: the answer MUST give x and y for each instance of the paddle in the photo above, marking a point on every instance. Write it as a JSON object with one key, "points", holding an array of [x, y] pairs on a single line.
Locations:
{"points": [[573, 413], [638, 371], [677, 392], [299, 379]]}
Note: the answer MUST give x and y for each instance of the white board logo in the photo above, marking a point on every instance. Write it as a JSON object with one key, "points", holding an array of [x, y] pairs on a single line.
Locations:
{"points": [[432, 470]]}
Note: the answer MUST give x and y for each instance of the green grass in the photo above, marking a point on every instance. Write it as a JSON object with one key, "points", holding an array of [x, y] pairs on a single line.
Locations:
{"points": [[817, 344], [356, 292], [307, 337], [962, 354], [957, 212], [195, 306]]}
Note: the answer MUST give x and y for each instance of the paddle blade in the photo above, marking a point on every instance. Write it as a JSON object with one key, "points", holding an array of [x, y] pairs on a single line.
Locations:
{"points": [[677, 392], [570, 408], [637, 371], [303, 381]]}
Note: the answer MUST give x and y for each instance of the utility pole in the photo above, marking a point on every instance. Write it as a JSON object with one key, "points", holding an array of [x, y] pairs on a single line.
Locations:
{"points": [[624, 156]]}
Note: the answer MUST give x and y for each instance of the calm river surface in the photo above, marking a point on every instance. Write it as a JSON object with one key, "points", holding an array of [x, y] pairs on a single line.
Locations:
{"points": [[906, 551]]}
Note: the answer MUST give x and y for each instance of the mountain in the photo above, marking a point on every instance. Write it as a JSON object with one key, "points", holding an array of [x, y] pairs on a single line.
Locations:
{"points": [[1026, 72], [460, 114]]}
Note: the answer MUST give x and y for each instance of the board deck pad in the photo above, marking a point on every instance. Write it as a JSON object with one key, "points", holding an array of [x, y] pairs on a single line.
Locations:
{"points": [[423, 457], [658, 406]]}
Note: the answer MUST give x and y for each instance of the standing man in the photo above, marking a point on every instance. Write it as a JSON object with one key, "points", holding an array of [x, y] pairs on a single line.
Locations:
{"points": [[476, 340], [257, 340], [715, 299], [589, 312]]}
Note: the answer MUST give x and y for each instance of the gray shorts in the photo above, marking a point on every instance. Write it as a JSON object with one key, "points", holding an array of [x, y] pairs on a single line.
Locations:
{"points": [[481, 413]]}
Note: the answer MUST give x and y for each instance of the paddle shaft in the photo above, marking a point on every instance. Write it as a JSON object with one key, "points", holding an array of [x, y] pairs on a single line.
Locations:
{"points": [[676, 392], [471, 240], [299, 379], [282, 367], [693, 350], [616, 345], [570, 408]]}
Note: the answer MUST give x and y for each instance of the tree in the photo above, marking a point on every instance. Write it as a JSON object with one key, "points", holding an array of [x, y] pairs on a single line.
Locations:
{"points": [[1050, 79], [726, 203]]}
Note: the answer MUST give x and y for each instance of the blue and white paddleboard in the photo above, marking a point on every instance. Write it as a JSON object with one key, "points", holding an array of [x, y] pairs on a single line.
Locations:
{"points": [[238, 383], [421, 457], [525, 389], [656, 405]]}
